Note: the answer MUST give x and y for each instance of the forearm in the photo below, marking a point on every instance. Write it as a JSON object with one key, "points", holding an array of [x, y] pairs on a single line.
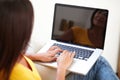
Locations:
{"points": [[43, 57], [61, 74], [33, 56]]}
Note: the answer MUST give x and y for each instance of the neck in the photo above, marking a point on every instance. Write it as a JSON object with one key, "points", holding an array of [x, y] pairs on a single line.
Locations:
{"points": [[20, 57]]}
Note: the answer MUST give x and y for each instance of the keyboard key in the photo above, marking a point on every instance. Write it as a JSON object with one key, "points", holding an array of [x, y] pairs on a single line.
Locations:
{"points": [[82, 54]]}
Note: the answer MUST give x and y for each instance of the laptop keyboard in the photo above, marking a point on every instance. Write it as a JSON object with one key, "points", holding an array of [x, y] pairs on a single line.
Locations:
{"points": [[82, 54]]}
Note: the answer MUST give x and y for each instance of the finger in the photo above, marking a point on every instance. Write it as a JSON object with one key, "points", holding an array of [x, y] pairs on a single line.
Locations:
{"points": [[56, 51], [64, 52], [54, 47], [72, 54], [53, 59]]}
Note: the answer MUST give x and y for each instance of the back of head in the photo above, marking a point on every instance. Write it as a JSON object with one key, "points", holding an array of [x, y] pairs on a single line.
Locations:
{"points": [[16, 21]]}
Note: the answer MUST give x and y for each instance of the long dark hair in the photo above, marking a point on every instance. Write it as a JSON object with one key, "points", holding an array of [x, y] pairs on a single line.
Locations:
{"points": [[16, 21], [92, 17]]}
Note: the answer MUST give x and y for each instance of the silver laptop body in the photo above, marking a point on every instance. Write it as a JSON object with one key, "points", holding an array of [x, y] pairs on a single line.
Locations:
{"points": [[80, 65]]}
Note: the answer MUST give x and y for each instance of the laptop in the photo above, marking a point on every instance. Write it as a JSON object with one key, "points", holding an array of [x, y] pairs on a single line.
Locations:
{"points": [[71, 15]]}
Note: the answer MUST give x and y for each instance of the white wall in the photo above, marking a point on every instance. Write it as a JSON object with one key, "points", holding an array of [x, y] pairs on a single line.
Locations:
{"points": [[44, 19]]}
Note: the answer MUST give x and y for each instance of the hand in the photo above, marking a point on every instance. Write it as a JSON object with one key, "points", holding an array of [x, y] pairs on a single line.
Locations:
{"points": [[50, 54], [65, 59]]}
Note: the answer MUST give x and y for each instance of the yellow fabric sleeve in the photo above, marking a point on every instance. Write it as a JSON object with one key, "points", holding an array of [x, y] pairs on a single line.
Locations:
{"points": [[20, 72]]}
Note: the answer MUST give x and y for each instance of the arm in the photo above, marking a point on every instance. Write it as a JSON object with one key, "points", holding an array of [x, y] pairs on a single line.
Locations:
{"points": [[46, 56], [61, 74], [64, 61]]}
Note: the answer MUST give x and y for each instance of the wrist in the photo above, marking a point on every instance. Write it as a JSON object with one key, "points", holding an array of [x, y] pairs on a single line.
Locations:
{"points": [[61, 74], [61, 69], [32, 56]]}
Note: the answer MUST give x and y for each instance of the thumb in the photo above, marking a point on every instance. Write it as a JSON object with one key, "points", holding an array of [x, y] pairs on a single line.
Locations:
{"points": [[54, 58]]}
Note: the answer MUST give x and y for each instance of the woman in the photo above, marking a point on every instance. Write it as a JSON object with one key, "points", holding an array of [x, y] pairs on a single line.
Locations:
{"points": [[16, 21]]}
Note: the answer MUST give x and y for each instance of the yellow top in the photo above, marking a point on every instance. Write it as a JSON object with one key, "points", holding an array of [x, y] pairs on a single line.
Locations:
{"points": [[81, 36], [20, 72]]}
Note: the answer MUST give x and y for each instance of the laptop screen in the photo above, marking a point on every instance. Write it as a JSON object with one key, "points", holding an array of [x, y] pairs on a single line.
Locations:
{"points": [[78, 25]]}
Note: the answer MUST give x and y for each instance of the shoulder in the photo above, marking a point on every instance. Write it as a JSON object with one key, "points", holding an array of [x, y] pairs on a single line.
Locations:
{"points": [[20, 72]]}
